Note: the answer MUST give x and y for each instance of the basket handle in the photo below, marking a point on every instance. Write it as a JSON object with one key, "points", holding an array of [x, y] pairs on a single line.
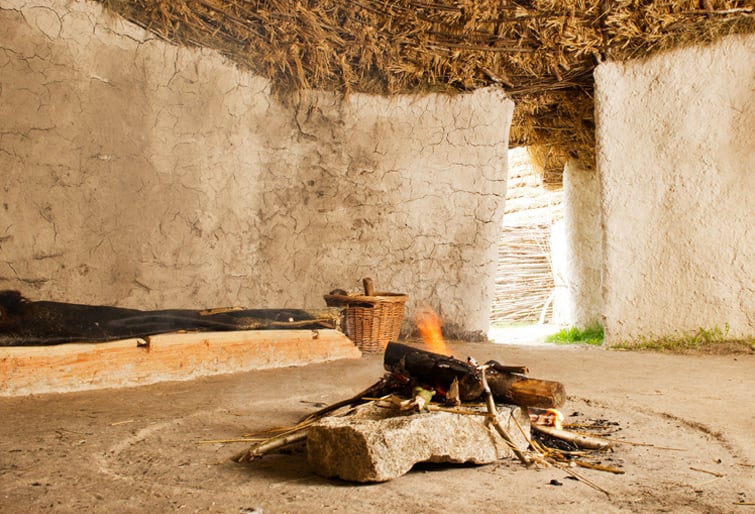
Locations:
{"points": [[369, 287]]}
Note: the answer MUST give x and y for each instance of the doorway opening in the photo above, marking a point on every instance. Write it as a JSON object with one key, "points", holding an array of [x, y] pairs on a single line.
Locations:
{"points": [[522, 307]]}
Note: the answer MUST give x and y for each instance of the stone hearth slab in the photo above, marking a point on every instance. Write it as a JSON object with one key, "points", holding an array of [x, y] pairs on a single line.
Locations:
{"points": [[377, 444]]}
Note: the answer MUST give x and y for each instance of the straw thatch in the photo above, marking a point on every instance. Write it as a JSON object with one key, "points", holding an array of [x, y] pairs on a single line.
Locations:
{"points": [[541, 52]]}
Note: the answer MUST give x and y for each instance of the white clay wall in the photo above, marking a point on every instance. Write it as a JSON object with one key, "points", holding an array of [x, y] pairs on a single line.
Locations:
{"points": [[577, 251], [140, 174], [676, 158]]}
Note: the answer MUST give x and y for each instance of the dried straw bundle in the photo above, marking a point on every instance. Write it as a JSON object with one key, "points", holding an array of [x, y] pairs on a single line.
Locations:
{"points": [[542, 52]]}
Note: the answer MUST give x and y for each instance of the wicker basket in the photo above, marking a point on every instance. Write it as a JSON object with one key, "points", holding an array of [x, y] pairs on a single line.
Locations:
{"points": [[370, 321]]}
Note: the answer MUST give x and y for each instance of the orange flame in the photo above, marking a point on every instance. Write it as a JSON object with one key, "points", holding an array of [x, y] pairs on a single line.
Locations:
{"points": [[558, 418], [429, 327], [548, 417]]}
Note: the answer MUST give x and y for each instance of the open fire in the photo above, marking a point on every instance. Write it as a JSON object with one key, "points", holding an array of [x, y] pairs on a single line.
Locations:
{"points": [[429, 326], [547, 417], [519, 411]]}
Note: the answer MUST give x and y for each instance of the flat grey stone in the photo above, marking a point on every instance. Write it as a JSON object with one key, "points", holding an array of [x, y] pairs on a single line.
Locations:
{"points": [[377, 444]]}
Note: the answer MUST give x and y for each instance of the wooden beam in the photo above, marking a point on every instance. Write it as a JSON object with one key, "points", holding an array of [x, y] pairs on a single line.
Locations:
{"points": [[175, 356]]}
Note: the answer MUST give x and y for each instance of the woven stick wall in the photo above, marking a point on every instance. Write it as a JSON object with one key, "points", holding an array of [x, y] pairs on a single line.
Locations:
{"points": [[524, 276], [541, 52], [524, 280]]}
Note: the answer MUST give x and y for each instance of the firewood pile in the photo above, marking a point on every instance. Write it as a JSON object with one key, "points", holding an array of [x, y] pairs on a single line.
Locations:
{"points": [[430, 407]]}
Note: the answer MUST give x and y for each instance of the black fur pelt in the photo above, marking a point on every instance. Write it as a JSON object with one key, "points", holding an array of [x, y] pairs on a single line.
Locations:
{"points": [[28, 323]]}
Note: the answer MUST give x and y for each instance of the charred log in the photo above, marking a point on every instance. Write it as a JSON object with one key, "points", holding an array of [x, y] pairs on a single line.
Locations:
{"points": [[433, 370], [439, 371]]}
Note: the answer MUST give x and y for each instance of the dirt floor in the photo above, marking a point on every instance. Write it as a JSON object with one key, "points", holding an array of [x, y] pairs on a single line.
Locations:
{"points": [[687, 420]]}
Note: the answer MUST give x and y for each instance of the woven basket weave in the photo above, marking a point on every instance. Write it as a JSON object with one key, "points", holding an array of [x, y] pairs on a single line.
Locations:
{"points": [[370, 321]]}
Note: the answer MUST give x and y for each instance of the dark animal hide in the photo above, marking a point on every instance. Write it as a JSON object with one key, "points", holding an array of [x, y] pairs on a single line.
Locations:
{"points": [[29, 323]]}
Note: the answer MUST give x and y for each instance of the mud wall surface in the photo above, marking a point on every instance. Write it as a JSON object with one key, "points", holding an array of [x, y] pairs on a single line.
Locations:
{"points": [[676, 154], [577, 248], [141, 174]]}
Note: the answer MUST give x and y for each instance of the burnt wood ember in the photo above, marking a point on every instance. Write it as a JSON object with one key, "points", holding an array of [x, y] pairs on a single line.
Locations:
{"points": [[38, 323], [433, 369], [439, 371]]}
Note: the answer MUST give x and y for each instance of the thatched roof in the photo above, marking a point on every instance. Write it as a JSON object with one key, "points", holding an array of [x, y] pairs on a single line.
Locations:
{"points": [[541, 52]]}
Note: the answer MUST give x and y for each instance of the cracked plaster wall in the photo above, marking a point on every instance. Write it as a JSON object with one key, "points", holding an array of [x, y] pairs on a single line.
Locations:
{"points": [[676, 154], [576, 246], [141, 174]]}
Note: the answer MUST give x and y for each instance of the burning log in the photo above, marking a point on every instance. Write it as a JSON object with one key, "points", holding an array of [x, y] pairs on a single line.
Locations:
{"points": [[433, 369], [439, 371]]}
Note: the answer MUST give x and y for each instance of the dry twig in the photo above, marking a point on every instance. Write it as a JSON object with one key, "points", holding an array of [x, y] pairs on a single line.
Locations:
{"points": [[275, 443], [714, 473], [493, 413], [583, 441]]}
